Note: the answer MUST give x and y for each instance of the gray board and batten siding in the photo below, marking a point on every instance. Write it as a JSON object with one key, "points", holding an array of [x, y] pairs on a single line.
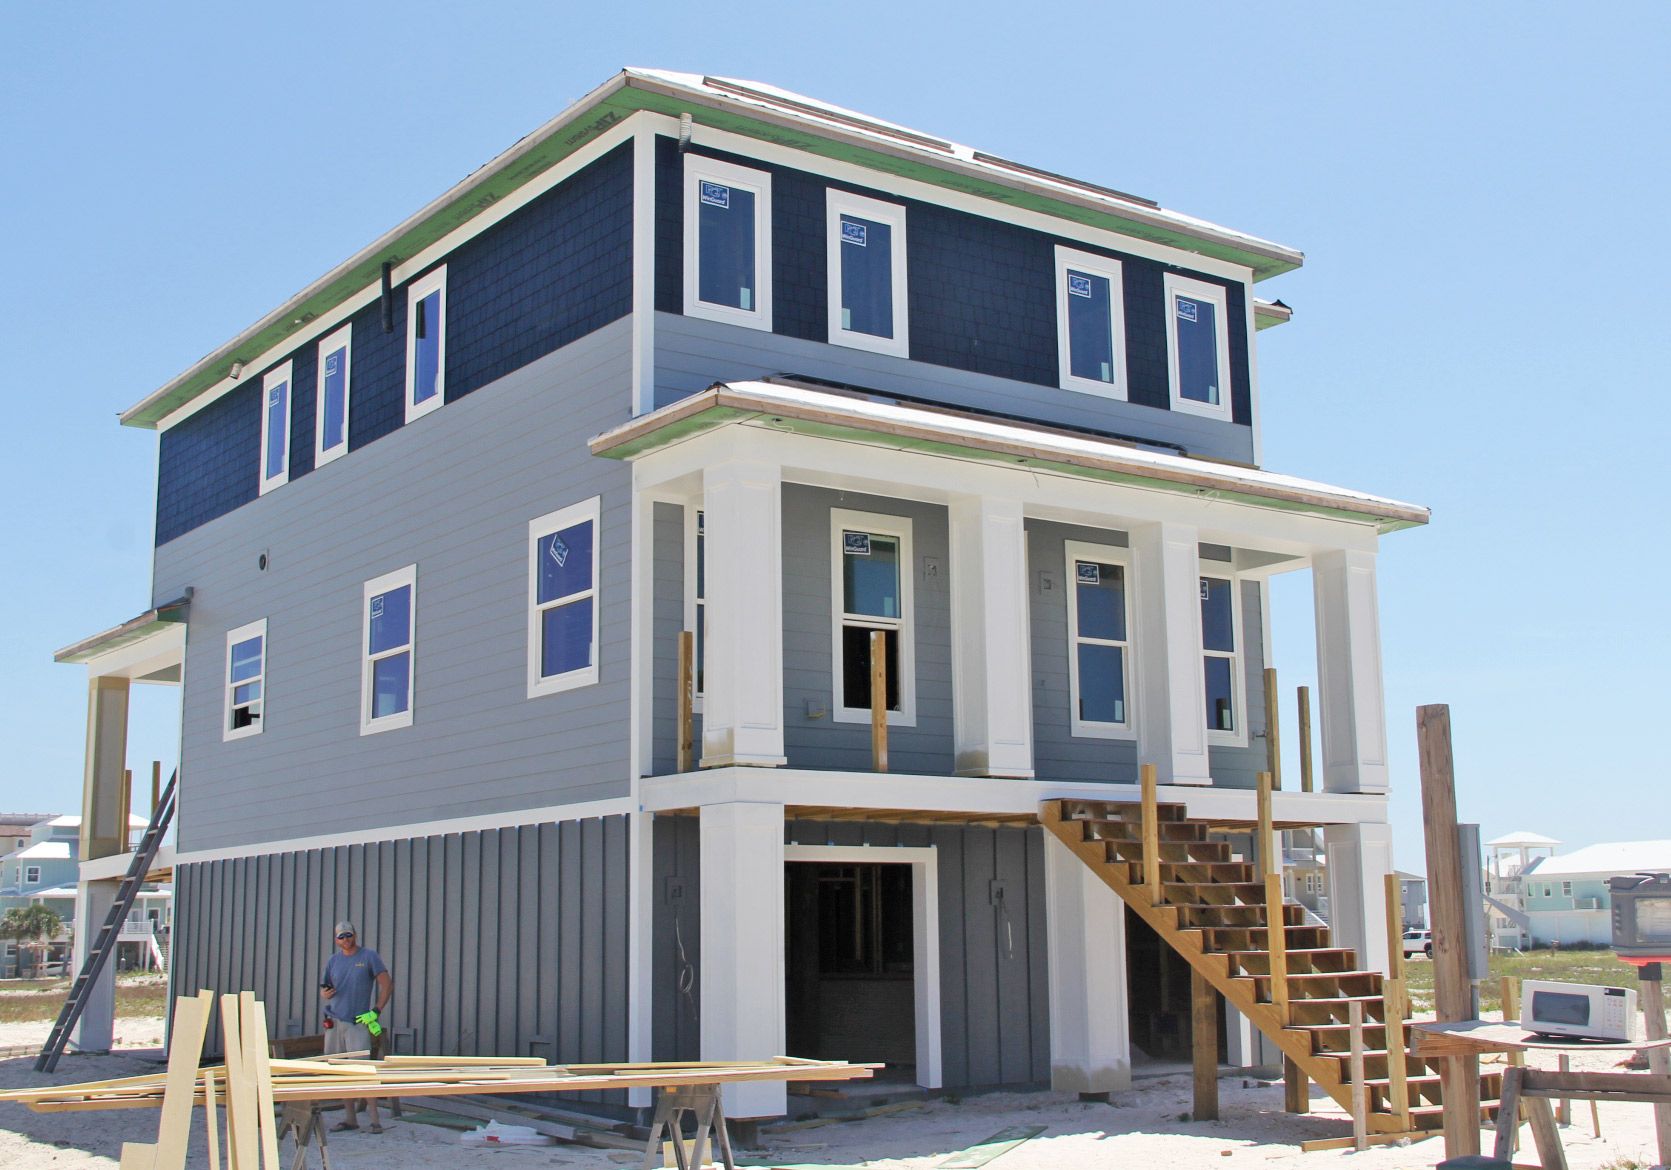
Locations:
{"points": [[994, 986], [453, 493], [500, 942]]}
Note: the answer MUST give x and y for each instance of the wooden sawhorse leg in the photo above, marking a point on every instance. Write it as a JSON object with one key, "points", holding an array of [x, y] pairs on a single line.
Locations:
{"points": [[702, 1102], [306, 1125]]}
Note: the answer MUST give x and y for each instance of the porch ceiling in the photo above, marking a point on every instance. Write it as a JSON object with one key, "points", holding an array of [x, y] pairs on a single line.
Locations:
{"points": [[148, 624], [884, 421]]}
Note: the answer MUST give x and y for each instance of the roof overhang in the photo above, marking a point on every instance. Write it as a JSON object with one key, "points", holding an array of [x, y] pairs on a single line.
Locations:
{"points": [[138, 647], [878, 420], [742, 108]]}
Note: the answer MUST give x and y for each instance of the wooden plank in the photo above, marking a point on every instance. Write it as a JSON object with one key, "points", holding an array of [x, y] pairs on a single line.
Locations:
{"points": [[1544, 1134], [1262, 854], [1203, 1027], [1508, 1113], [211, 1126], [1151, 833], [1659, 1059], [879, 700], [1276, 933], [1563, 1105], [1453, 992], [185, 1053], [687, 689], [1397, 1005], [1622, 1086], [1374, 1139], [1305, 739], [1360, 1091], [243, 1137], [1273, 729], [1296, 1087], [255, 1045]]}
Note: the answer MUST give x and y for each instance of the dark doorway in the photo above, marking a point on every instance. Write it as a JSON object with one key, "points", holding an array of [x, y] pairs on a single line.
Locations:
{"points": [[1157, 992], [849, 974]]}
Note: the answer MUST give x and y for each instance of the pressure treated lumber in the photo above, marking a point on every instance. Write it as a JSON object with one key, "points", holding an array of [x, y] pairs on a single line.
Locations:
{"points": [[1305, 739], [687, 699], [1650, 978], [1273, 729], [879, 700], [1203, 1027], [1398, 1004]]}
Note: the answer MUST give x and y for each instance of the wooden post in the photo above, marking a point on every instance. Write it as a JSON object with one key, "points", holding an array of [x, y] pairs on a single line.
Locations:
{"points": [[1151, 833], [1276, 929], [1459, 1075], [1203, 1024], [879, 700], [1296, 1087], [1563, 1105], [1510, 992], [1659, 1059], [1393, 995], [1262, 846], [1360, 1091], [1305, 739], [687, 698], [1273, 729], [156, 786], [125, 810]]}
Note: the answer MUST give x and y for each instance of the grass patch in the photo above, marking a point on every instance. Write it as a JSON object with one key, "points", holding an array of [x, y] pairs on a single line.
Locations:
{"points": [[27, 1001], [1566, 966]]}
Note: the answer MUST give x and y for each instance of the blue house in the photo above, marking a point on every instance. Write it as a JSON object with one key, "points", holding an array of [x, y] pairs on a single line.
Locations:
{"points": [[917, 443]]}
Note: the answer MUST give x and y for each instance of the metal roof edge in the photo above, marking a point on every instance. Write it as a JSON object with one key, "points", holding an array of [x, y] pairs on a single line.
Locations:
{"points": [[169, 614]]}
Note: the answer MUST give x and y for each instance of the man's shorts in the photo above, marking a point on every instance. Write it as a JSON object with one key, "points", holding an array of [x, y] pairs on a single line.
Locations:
{"points": [[346, 1038]]}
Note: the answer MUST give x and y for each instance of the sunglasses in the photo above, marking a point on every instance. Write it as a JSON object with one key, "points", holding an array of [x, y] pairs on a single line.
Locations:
{"points": [[349, 934]]}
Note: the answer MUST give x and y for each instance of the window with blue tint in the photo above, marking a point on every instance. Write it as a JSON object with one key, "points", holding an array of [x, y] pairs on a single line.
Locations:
{"points": [[725, 245], [246, 669], [426, 330], [1198, 374], [699, 594], [390, 629], [727, 242], [331, 410], [1099, 645], [275, 428], [426, 343], [390, 620], [563, 619], [870, 574], [871, 589], [1221, 694], [391, 685], [1090, 328], [1218, 619], [867, 301], [1218, 644]]}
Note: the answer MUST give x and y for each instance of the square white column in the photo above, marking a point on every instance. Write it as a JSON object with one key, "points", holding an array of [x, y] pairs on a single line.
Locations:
{"points": [[742, 702], [742, 947], [992, 703], [1350, 697], [1090, 1038], [1171, 687], [96, 1028], [1360, 857]]}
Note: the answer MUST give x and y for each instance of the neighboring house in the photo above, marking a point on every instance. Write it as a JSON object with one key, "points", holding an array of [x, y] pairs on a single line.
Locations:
{"points": [[1508, 858], [14, 829], [1412, 891], [1565, 896], [701, 355]]}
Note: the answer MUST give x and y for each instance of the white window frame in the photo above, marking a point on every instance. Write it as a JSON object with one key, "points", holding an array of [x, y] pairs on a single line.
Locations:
{"points": [[1198, 290], [31, 875], [698, 168], [696, 607], [342, 339], [1566, 889], [879, 524], [838, 203], [243, 634], [1075, 551], [1237, 657], [277, 376], [1112, 271], [586, 510], [369, 726], [433, 281]]}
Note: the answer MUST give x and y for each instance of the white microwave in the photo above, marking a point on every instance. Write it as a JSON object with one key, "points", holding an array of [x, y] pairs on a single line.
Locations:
{"points": [[1581, 1010]]}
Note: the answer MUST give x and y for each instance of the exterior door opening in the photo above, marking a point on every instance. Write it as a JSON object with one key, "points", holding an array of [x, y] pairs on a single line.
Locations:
{"points": [[1158, 990]]}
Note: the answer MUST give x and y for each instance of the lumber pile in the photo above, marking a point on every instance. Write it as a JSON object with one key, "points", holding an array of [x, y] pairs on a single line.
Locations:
{"points": [[249, 1085]]}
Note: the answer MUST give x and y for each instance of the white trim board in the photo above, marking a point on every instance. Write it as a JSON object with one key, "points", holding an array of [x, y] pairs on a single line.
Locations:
{"points": [[925, 934]]}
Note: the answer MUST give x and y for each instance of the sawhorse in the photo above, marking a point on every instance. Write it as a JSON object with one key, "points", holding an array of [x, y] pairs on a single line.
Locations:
{"points": [[702, 1102], [302, 1121]]}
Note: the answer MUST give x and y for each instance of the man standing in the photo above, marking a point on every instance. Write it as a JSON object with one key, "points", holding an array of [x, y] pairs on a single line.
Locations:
{"points": [[351, 977]]}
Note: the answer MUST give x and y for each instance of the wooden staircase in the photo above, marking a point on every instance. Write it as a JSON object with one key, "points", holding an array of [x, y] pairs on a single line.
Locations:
{"points": [[1213, 911]]}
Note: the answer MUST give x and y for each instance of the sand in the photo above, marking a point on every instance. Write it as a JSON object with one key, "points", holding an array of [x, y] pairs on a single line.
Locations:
{"points": [[1140, 1129]]}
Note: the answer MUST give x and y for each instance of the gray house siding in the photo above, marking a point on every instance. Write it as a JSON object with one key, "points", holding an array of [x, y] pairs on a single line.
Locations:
{"points": [[504, 942], [1239, 767], [994, 988], [452, 493], [693, 354]]}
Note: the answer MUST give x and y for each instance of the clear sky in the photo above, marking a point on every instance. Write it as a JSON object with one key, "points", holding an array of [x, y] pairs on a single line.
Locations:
{"points": [[1481, 325]]}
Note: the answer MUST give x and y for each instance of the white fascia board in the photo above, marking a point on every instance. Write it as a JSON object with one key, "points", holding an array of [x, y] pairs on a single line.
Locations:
{"points": [[156, 651], [115, 866]]}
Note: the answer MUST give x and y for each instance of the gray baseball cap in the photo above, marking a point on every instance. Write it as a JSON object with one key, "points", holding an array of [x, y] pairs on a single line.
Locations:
{"points": [[346, 927]]}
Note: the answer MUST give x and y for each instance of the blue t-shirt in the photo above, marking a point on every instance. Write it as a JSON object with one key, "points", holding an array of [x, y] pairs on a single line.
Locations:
{"points": [[355, 978]]}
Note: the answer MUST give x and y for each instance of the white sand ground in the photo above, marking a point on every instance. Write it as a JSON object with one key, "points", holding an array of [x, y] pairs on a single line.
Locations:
{"points": [[1138, 1131]]}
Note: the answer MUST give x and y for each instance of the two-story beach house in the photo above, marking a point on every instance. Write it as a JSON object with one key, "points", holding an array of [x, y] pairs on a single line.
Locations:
{"points": [[870, 415]]}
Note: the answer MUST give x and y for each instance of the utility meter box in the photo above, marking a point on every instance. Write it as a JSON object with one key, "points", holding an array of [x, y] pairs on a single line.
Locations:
{"points": [[1642, 917]]}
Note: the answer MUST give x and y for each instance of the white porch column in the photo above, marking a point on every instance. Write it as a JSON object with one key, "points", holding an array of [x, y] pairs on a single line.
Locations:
{"points": [[1171, 688], [1349, 690], [1090, 1040], [1360, 856], [742, 946], [96, 1029], [742, 714], [992, 708], [104, 832]]}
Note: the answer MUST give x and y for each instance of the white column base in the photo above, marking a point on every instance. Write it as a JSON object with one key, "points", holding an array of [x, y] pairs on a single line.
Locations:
{"points": [[1090, 1039], [1360, 856], [96, 1030]]}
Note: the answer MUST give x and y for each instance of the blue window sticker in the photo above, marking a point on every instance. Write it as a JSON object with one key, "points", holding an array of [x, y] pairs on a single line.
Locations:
{"points": [[377, 602], [1089, 574], [1187, 309], [559, 551], [1204, 589], [275, 395], [855, 544], [853, 233], [1078, 286], [331, 362], [716, 194]]}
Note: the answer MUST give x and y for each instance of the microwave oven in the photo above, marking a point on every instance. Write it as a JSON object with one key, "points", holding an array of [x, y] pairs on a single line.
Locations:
{"points": [[1579, 1010]]}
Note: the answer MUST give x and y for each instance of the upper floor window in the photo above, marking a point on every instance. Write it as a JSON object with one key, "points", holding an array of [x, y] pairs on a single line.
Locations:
{"points": [[426, 343], [1198, 346], [728, 242], [1566, 889], [871, 591], [31, 874], [389, 609], [246, 679], [275, 428], [563, 599], [696, 591], [1090, 323], [1221, 656], [867, 294], [1099, 638], [330, 416]]}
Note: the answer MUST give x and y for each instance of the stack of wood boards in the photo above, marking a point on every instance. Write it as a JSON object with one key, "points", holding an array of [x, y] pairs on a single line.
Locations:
{"points": [[249, 1084]]}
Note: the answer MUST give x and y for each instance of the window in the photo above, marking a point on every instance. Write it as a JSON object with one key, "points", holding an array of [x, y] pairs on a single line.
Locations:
{"points": [[563, 599], [1099, 641], [1198, 346], [275, 428], [246, 680], [1566, 889], [1548, 892], [696, 590], [871, 590], [866, 251], [1090, 323], [330, 416], [31, 874], [426, 344], [1220, 614], [390, 610], [728, 243]]}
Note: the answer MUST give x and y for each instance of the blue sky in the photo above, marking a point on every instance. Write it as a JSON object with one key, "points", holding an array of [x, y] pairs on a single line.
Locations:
{"points": [[1479, 191]]}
